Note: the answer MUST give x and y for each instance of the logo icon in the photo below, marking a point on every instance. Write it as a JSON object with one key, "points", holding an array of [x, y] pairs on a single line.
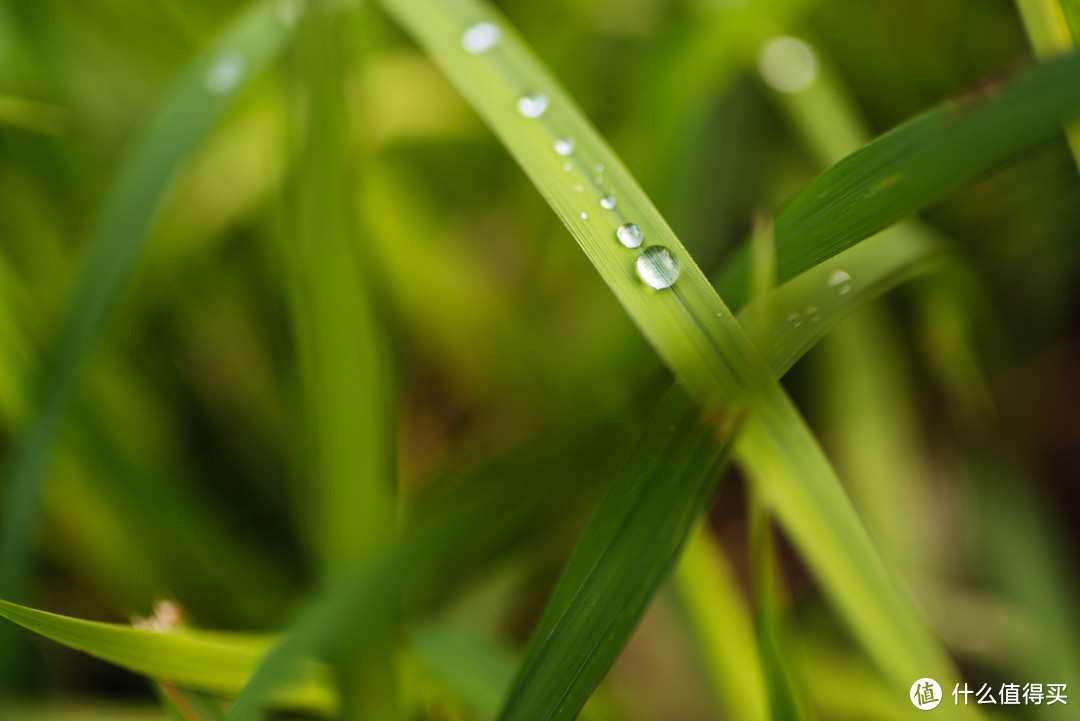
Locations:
{"points": [[925, 694]]}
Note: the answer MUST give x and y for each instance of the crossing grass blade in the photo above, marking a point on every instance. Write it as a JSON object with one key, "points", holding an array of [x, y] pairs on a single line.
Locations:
{"points": [[690, 327], [246, 45], [660, 449], [914, 165]]}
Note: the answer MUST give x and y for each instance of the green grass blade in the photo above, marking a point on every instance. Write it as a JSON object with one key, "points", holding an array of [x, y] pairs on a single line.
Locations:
{"points": [[1053, 27], [207, 88], [627, 550], [217, 663], [914, 165], [345, 370], [689, 327]]}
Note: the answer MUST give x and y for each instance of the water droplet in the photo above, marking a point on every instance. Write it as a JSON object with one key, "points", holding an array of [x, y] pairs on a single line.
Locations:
{"points": [[599, 167], [579, 188], [657, 267], [480, 38], [813, 313], [630, 235], [841, 281], [795, 319], [598, 180], [564, 146], [584, 215], [289, 12], [608, 201], [532, 105], [788, 64], [568, 166], [225, 72]]}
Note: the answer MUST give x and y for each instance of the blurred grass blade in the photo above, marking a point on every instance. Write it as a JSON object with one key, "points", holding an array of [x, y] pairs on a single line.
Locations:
{"points": [[723, 628], [348, 425], [1053, 27], [689, 327], [434, 551], [207, 87], [914, 165], [217, 663]]}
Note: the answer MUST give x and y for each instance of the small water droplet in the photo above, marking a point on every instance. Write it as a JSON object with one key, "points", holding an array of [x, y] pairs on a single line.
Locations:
{"points": [[841, 281], [657, 267], [788, 64], [608, 201], [532, 105], [813, 313], [599, 167], [568, 166], [225, 72], [564, 146], [289, 12], [630, 235], [480, 38], [584, 215], [579, 188], [795, 319], [598, 180]]}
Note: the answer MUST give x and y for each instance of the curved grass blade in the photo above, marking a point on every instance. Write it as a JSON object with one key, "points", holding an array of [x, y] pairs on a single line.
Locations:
{"points": [[689, 327], [217, 663], [206, 89], [914, 165]]}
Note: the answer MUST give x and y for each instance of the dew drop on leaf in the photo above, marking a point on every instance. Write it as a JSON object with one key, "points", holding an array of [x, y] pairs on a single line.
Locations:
{"points": [[480, 38], [841, 280], [564, 146], [657, 267], [532, 105], [630, 235], [225, 72]]}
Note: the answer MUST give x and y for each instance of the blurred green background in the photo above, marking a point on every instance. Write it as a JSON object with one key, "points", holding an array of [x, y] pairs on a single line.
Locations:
{"points": [[948, 407]]}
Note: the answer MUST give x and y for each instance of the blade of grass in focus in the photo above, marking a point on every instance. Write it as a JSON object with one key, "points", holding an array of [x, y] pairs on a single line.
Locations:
{"points": [[687, 325], [203, 93]]}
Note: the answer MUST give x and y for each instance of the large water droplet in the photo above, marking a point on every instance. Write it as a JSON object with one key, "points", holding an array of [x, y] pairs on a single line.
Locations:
{"points": [[289, 12], [564, 146], [532, 105], [225, 72], [630, 235], [840, 280], [480, 38], [788, 64], [608, 201], [657, 267]]}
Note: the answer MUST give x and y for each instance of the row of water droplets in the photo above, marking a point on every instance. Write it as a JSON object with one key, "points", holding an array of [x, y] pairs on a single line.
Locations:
{"points": [[656, 265]]}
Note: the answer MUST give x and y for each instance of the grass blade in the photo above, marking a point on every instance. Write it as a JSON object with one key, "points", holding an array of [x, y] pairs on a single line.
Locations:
{"points": [[688, 326], [914, 165], [218, 663]]}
